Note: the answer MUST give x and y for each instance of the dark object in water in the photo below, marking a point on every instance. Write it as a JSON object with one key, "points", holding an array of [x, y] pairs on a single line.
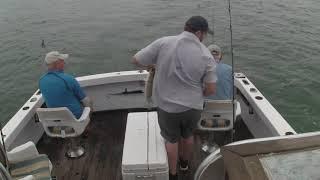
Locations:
{"points": [[43, 45]]}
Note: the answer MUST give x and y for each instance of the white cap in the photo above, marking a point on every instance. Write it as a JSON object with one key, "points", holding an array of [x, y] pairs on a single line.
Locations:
{"points": [[214, 47], [54, 56]]}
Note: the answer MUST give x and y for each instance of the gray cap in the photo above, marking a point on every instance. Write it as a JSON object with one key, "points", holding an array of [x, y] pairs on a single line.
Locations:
{"points": [[214, 47]]}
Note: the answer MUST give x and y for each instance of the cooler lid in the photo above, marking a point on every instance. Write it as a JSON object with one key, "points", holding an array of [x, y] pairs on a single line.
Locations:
{"points": [[156, 148], [135, 155]]}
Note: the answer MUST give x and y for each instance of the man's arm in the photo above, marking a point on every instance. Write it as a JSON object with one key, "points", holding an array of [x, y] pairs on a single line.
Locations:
{"points": [[86, 102], [77, 90], [210, 78], [209, 89], [147, 57]]}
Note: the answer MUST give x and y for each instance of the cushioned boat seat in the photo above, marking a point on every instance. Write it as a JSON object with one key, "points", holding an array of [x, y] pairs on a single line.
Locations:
{"points": [[25, 163], [38, 167]]}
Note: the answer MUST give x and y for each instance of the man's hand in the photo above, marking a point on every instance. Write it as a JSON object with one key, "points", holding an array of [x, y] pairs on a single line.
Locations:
{"points": [[87, 102], [136, 62], [151, 68]]}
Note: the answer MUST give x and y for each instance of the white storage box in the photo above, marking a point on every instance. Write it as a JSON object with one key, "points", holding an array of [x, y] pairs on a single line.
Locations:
{"points": [[144, 154]]}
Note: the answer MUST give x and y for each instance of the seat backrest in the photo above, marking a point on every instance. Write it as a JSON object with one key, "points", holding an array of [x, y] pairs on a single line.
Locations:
{"points": [[60, 122], [217, 115]]}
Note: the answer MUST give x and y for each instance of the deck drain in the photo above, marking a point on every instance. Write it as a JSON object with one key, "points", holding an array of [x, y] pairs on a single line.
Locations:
{"points": [[259, 97], [288, 133], [33, 99], [239, 75], [253, 90], [245, 82], [25, 108]]}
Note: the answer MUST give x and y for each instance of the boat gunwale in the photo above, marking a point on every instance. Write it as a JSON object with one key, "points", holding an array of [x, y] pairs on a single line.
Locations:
{"points": [[265, 110]]}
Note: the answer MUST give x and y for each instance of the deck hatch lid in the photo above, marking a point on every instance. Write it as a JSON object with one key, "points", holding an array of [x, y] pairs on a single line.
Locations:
{"points": [[157, 155], [135, 143]]}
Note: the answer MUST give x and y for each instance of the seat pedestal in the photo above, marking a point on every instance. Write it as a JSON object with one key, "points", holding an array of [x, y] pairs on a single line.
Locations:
{"points": [[75, 152]]}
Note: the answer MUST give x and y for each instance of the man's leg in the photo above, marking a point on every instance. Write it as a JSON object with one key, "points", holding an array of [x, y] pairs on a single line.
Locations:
{"points": [[186, 146], [169, 125], [172, 151], [189, 122]]}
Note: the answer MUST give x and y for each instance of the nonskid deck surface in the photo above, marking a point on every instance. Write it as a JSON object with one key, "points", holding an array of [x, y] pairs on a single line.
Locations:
{"points": [[103, 145]]}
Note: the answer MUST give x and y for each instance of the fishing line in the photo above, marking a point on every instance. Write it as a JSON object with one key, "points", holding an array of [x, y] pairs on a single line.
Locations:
{"points": [[212, 20]]}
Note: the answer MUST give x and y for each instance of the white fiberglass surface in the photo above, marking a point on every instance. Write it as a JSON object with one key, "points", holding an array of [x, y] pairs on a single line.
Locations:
{"points": [[293, 165]]}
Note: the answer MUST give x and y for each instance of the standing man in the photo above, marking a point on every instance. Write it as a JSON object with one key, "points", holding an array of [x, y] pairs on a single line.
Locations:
{"points": [[224, 74], [185, 72], [60, 89]]}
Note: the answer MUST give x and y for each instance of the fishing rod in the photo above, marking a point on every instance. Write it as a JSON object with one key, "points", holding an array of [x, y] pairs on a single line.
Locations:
{"points": [[232, 65], [212, 29]]}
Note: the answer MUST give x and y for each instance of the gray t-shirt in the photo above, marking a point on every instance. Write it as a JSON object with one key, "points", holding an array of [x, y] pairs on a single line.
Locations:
{"points": [[183, 65]]}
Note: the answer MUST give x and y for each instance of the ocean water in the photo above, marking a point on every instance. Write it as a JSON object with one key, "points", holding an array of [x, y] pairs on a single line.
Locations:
{"points": [[276, 44]]}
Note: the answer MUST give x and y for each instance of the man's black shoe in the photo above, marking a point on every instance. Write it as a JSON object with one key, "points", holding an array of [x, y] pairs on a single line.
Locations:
{"points": [[184, 165], [173, 177]]}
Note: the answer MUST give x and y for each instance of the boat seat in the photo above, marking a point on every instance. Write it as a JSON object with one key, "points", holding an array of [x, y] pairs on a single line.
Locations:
{"points": [[60, 122], [24, 163], [217, 115]]}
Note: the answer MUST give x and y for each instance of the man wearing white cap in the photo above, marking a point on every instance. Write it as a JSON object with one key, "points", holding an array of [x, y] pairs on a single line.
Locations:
{"points": [[224, 74], [60, 89]]}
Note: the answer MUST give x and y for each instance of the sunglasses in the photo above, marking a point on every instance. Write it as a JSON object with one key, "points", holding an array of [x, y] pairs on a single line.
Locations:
{"points": [[215, 52]]}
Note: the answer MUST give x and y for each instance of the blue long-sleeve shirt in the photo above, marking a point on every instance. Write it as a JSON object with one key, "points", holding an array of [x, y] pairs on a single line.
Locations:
{"points": [[224, 83], [62, 90]]}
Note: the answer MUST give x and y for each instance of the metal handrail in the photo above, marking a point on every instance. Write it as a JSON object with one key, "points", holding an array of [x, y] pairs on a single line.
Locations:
{"points": [[213, 157]]}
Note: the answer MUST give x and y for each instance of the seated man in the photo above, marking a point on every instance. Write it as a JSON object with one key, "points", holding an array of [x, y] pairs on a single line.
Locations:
{"points": [[223, 92], [224, 74], [60, 89]]}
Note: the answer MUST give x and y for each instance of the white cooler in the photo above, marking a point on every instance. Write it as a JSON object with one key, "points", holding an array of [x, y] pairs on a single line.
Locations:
{"points": [[144, 154]]}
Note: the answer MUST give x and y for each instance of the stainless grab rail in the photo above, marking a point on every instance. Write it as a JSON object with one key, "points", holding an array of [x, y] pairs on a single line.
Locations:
{"points": [[213, 157]]}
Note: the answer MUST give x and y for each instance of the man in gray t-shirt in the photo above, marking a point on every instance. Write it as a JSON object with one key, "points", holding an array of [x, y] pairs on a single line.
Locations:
{"points": [[185, 73]]}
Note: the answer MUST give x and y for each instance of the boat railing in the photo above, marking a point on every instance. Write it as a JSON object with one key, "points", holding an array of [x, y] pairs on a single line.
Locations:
{"points": [[212, 158]]}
